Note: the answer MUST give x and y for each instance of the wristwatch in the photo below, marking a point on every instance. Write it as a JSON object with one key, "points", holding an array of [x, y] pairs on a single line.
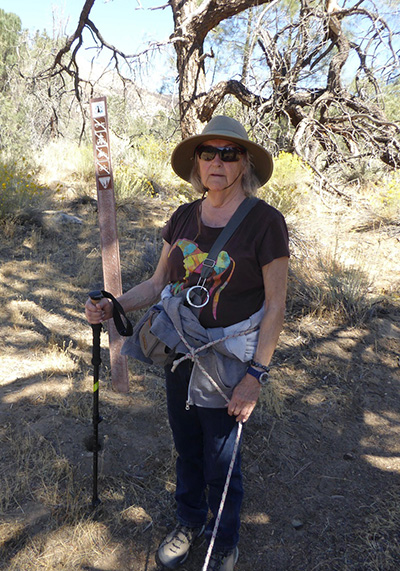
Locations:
{"points": [[261, 376]]}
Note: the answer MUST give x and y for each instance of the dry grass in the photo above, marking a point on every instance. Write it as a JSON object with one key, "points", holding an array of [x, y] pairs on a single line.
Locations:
{"points": [[380, 544], [42, 475], [323, 285]]}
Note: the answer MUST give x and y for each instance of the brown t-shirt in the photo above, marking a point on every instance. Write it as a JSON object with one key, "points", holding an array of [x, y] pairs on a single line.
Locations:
{"points": [[236, 285]]}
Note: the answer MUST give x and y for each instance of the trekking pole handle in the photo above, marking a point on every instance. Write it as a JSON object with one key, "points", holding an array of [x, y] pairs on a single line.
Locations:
{"points": [[96, 296]]}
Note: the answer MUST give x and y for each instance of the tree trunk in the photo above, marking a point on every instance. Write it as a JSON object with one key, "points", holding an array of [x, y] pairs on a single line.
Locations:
{"points": [[191, 26]]}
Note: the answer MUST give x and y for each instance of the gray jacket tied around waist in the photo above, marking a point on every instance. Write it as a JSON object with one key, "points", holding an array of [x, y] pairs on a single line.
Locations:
{"points": [[224, 360]]}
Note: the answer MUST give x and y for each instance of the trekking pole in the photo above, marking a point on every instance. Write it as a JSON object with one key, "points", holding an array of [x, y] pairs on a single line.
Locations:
{"points": [[96, 296]]}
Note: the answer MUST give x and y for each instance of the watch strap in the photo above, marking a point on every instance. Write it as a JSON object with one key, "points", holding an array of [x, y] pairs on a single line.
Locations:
{"points": [[261, 376]]}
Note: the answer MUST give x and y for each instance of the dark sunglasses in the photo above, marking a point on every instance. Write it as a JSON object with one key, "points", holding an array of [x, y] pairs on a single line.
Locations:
{"points": [[226, 154]]}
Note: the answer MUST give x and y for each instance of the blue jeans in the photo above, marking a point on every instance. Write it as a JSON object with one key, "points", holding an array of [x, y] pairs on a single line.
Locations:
{"points": [[204, 439]]}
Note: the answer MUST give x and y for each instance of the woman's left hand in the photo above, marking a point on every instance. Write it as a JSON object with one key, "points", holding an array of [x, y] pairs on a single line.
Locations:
{"points": [[244, 398]]}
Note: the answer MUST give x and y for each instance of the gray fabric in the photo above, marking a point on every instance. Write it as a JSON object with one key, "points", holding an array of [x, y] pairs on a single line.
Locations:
{"points": [[226, 362]]}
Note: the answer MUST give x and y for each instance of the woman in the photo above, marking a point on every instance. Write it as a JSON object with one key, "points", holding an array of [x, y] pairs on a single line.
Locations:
{"points": [[249, 279]]}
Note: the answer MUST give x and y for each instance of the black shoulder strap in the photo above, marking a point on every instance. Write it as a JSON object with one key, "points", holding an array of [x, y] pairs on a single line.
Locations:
{"points": [[240, 213]]}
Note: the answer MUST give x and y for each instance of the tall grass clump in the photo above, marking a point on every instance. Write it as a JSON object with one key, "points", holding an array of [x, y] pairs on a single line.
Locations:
{"points": [[324, 285], [290, 181], [65, 161], [20, 193], [144, 170]]}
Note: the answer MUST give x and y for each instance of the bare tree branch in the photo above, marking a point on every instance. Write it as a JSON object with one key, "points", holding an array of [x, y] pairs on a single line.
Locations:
{"points": [[77, 34], [300, 98]]}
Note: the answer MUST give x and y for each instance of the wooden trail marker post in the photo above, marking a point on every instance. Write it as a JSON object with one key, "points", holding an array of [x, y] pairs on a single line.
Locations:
{"points": [[108, 233]]}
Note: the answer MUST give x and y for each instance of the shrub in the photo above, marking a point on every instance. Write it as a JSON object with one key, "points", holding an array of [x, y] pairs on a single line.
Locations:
{"points": [[144, 170], [65, 161], [324, 285], [290, 181], [128, 183], [19, 192], [384, 196]]}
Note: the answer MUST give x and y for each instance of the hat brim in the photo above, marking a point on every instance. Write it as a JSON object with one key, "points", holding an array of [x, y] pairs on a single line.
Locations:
{"points": [[182, 158]]}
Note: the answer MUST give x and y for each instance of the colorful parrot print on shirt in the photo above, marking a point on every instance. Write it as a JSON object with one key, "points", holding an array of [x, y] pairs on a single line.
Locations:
{"points": [[193, 259]]}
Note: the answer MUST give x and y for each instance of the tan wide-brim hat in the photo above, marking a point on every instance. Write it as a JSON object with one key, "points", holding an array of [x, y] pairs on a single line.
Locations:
{"points": [[228, 129]]}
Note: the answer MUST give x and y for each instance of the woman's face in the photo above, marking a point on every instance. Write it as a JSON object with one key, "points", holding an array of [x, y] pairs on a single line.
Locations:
{"points": [[217, 175]]}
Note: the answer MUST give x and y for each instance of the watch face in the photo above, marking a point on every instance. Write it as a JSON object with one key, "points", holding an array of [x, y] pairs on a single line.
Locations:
{"points": [[263, 379]]}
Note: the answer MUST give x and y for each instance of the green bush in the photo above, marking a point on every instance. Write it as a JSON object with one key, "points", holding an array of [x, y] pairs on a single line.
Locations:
{"points": [[19, 192], [128, 182], [384, 196], [290, 181], [144, 170]]}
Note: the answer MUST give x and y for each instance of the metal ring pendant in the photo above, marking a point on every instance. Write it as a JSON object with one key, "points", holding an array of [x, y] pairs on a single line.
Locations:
{"points": [[200, 287]]}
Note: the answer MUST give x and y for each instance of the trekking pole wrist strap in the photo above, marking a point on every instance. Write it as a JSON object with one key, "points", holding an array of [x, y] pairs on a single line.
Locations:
{"points": [[122, 323]]}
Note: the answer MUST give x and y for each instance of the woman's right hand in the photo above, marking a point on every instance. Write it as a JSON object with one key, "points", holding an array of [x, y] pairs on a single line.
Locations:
{"points": [[98, 312]]}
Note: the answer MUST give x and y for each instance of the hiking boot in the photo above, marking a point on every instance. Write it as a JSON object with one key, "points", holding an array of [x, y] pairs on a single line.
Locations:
{"points": [[223, 560], [175, 548]]}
